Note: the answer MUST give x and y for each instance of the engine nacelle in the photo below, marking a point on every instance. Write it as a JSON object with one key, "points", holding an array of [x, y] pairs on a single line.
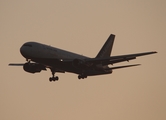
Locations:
{"points": [[33, 67], [79, 63]]}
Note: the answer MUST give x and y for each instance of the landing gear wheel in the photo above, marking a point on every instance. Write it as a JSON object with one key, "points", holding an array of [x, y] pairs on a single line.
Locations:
{"points": [[57, 78], [53, 78], [79, 77], [53, 74], [82, 76], [50, 79]]}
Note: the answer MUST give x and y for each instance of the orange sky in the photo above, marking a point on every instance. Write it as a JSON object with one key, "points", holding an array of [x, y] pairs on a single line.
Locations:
{"points": [[136, 93]]}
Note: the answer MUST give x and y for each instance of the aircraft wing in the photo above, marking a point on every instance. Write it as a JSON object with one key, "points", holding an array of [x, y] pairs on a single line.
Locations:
{"points": [[88, 61], [95, 61], [116, 59], [16, 64]]}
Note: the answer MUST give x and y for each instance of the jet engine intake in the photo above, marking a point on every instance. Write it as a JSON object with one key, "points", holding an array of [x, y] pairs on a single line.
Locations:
{"points": [[33, 67]]}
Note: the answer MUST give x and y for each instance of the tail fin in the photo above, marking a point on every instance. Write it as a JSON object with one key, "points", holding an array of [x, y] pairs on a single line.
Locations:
{"points": [[107, 47]]}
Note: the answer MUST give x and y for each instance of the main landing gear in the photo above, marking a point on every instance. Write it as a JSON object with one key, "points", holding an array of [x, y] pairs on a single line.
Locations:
{"points": [[53, 78], [82, 76]]}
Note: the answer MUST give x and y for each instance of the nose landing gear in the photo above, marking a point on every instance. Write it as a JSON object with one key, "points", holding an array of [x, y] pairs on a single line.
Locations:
{"points": [[53, 78]]}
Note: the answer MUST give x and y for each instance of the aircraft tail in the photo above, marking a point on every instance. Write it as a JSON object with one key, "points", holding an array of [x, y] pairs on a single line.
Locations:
{"points": [[107, 47]]}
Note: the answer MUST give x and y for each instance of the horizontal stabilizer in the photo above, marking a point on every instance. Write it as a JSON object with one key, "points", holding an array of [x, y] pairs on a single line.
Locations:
{"points": [[118, 67]]}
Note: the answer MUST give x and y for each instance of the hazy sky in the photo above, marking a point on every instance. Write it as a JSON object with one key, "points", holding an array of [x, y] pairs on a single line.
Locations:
{"points": [[137, 93]]}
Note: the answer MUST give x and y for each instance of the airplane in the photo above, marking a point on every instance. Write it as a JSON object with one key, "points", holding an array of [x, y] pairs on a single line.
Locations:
{"points": [[40, 57]]}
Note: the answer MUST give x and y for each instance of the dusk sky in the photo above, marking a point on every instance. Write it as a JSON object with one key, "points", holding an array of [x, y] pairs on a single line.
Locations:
{"points": [[136, 93]]}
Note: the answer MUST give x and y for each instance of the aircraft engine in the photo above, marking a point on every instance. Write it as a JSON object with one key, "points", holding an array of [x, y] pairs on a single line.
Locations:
{"points": [[33, 67]]}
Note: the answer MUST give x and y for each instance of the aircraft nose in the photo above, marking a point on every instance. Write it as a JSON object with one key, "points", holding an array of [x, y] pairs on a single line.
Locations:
{"points": [[25, 49], [22, 51]]}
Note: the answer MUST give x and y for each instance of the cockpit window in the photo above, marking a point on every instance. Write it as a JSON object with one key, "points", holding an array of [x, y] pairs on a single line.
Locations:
{"points": [[28, 45]]}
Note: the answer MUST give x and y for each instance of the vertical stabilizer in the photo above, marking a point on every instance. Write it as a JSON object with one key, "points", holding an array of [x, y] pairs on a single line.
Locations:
{"points": [[107, 47]]}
